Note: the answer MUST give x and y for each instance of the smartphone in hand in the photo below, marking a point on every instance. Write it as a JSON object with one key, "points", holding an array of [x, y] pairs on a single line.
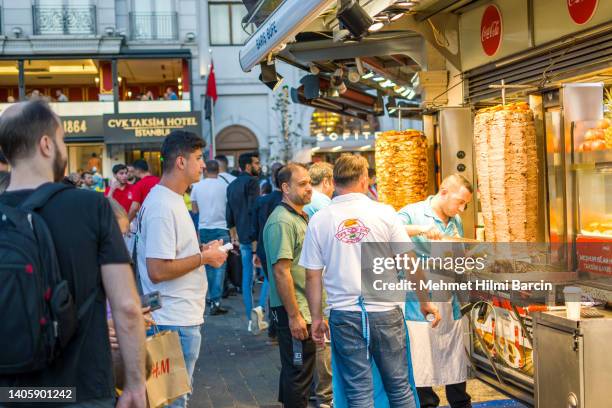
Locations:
{"points": [[152, 300]]}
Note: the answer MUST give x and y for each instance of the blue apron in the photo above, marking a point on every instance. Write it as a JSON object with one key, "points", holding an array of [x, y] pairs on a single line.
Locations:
{"points": [[380, 396]]}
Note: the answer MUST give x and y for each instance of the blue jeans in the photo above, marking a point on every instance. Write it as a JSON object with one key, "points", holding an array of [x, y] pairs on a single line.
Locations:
{"points": [[215, 276], [246, 252], [191, 340], [387, 347]]}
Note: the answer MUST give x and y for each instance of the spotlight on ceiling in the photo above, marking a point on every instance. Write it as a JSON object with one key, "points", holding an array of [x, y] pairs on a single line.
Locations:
{"points": [[337, 82], [353, 76], [397, 16], [269, 76], [311, 86], [354, 18]]}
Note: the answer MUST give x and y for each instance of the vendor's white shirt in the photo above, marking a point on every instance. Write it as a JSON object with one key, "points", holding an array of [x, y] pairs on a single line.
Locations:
{"points": [[166, 231], [328, 245]]}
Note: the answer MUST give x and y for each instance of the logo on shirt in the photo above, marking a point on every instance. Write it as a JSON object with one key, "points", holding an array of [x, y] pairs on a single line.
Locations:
{"points": [[351, 231]]}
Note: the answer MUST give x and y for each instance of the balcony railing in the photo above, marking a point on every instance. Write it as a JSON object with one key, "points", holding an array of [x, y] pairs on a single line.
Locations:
{"points": [[64, 20], [154, 26]]}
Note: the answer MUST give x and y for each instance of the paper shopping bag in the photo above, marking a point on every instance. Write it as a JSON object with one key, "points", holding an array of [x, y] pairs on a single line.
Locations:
{"points": [[169, 379]]}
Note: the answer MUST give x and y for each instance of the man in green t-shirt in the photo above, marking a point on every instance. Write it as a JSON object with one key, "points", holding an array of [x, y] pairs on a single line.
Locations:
{"points": [[283, 237]]}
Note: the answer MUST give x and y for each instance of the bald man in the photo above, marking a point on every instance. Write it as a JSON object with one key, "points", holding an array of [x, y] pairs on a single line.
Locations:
{"points": [[438, 356]]}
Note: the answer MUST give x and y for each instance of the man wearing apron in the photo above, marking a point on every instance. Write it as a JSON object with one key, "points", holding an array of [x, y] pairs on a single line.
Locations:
{"points": [[438, 356]]}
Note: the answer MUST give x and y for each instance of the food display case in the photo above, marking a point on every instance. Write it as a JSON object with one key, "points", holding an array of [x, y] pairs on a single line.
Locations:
{"points": [[574, 171], [592, 164]]}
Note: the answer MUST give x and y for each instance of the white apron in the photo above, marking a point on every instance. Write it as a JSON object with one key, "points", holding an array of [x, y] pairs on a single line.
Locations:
{"points": [[438, 355]]}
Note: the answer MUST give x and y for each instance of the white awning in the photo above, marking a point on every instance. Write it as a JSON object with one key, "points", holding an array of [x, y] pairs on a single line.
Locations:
{"points": [[288, 19]]}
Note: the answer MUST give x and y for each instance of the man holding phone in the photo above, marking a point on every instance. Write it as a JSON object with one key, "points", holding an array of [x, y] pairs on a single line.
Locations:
{"points": [[170, 259]]}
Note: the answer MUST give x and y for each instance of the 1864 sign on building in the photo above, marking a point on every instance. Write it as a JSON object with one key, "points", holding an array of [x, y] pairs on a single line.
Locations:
{"points": [[148, 127]]}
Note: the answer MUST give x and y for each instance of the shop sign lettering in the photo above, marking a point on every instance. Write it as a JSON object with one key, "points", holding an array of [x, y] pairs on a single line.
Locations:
{"points": [[124, 128], [334, 137], [82, 126], [491, 30], [266, 35], [581, 11]]}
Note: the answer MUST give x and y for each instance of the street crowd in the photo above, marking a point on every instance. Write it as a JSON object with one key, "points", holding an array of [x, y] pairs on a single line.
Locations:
{"points": [[298, 230]]}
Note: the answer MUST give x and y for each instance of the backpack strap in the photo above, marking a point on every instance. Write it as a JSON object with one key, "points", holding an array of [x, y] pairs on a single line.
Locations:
{"points": [[42, 194], [224, 179], [135, 266]]}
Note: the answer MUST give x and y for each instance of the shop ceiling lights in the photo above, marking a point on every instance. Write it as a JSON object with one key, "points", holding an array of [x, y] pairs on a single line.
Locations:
{"points": [[379, 78], [376, 26], [399, 89], [368, 75], [354, 18], [403, 3], [409, 93], [9, 70], [387, 83], [397, 16], [269, 76]]}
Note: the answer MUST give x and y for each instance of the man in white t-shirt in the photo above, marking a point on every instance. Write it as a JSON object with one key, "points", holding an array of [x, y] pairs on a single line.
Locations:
{"points": [[168, 253], [209, 201], [223, 167], [334, 241]]}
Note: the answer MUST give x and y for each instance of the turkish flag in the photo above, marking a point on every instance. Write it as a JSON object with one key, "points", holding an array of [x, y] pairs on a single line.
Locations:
{"points": [[211, 85]]}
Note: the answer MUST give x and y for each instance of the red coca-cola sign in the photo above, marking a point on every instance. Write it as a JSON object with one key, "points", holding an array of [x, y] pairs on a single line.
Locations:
{"points": [[581, 11], [491, 30]]}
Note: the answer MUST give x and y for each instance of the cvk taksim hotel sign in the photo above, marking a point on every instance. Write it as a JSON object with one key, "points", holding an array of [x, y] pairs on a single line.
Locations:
{"points": [[148, 127]]}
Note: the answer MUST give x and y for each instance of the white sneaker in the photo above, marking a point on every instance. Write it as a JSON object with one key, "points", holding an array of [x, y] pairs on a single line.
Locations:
{"points": [[257, 317], [250, 326]]}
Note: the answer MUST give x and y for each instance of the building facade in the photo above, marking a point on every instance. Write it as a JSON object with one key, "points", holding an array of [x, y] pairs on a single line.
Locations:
{"points": [[120, 74]]}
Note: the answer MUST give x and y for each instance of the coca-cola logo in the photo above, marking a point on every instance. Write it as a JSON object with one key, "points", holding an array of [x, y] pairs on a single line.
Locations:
{"points": [[491, 30], [581, 11]]}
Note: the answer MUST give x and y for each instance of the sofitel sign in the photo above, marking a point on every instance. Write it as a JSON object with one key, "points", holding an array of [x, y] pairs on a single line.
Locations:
{"points": [[333, 137]]}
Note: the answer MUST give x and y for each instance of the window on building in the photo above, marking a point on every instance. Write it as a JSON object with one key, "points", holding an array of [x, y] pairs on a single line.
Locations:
{"points": [[61, 17], [153, 20], [225, 22]]}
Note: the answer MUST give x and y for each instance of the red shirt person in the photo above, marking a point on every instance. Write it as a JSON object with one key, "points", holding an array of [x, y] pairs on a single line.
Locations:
{"points": [[142, 187], [119, 188]]}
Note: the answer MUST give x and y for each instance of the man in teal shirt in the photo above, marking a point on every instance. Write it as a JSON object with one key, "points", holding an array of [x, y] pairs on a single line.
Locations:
{"points": [[322, 179], [439, 357], [283, 238]]}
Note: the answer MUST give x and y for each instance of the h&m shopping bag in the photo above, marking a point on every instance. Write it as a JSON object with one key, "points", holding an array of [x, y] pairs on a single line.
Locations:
{"points": [[169, 379]]}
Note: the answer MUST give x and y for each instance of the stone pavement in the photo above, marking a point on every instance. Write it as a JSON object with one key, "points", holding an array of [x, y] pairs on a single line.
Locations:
{"points": [[237, 369]]}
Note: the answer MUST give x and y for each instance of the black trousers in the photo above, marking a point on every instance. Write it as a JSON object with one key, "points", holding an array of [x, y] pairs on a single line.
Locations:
{"points": [[456, 395], [295, 381]]}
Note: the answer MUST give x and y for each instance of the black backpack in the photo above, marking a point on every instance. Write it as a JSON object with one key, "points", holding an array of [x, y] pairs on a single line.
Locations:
{"points": [[37, 311]]}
